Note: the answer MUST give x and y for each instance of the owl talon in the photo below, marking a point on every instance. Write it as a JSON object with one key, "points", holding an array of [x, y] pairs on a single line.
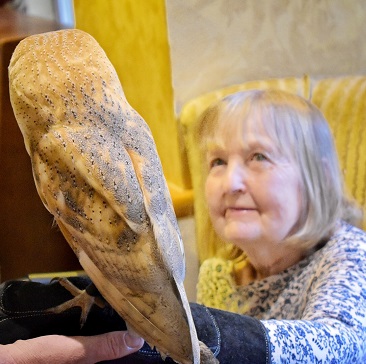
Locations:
{"points": [[64, 282], [206, 355], [82, 299]]}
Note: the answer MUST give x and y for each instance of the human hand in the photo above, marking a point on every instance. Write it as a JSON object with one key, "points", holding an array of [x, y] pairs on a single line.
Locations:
{"points": [[59, 349]]}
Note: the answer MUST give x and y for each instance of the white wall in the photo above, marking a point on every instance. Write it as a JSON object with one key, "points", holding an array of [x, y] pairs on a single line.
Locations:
{"points": [[215, 43], [59, 10], [40, 8]]}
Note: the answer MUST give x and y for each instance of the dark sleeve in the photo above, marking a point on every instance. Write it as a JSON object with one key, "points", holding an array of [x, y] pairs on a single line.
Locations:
{"points": [[231, 337]]}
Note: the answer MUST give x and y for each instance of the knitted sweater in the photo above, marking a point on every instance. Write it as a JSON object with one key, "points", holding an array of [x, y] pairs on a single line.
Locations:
{"points": [[314, 311]]}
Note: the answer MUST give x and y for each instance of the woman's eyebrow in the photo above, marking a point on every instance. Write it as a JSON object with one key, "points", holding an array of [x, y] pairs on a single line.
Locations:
{"points": [[264, 142]]}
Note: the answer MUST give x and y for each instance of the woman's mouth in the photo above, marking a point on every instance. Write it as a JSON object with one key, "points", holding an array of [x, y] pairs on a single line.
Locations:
{"points": [[238, 211]]}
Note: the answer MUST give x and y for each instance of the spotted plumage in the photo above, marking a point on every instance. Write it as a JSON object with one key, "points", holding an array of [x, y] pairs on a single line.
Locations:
{"points": [[96, 169]]}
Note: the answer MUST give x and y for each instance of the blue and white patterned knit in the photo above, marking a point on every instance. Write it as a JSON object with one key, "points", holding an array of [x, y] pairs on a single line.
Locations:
{"points": [[314, 312]]}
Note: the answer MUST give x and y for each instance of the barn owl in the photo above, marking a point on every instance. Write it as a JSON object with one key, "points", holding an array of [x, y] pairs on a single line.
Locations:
{"points": [[96, 169]]}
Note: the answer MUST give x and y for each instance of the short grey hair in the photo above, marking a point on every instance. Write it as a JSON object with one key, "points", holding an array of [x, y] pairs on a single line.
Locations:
{"points": [[302, 133]]}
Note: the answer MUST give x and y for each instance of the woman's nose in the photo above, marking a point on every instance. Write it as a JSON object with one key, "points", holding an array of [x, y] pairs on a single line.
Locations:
{"points": [[235, 179]]}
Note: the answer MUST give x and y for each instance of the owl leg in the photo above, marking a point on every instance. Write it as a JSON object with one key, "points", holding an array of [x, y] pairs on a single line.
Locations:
{"points": [[82, 298]]}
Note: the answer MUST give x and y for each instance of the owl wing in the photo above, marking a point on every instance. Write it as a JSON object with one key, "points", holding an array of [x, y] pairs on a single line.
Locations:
{"points": [[93, 192], [159, 208]]}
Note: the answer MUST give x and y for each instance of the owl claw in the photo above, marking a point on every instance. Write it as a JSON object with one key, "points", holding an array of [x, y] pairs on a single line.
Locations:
{"points": [[82, 299]]}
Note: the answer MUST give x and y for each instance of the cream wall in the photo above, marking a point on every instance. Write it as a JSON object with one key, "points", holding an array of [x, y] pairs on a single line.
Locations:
{"points": [[216, 43], [59, 10]]}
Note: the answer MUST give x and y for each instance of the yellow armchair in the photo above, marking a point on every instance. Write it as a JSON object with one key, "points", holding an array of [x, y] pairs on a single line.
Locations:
{"points": [[343, 101]]}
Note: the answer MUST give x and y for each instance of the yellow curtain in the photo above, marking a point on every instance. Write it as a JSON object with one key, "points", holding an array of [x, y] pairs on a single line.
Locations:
{"points": [[134, 35]]}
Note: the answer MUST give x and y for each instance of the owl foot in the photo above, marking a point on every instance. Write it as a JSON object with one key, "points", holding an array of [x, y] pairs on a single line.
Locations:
{"points": [[82, 298], [207, 357]]}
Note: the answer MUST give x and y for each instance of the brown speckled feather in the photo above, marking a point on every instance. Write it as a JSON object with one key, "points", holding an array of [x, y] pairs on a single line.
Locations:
{"points": [[97, 171]]}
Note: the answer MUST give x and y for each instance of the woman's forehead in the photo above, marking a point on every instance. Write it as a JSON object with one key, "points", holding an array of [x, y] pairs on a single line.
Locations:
{"points": [[236, 125], [255, 128]]}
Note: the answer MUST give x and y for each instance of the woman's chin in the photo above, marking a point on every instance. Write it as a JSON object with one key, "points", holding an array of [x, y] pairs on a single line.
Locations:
{"points": [[243, 233]]}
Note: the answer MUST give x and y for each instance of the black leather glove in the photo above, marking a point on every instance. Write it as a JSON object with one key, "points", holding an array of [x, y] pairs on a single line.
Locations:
{"points": [[231, 337]]}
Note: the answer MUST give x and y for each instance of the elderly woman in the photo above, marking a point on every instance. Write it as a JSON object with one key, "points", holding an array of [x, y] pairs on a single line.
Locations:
{"points": [[274, 190], [294, 291]]}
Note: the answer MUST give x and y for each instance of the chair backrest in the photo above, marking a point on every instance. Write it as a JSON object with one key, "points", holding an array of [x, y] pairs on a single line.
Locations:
{"points": [[343, 103]]}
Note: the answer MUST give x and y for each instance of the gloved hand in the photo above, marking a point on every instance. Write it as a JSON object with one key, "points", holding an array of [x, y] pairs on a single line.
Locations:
{"points": [[231, 337]]}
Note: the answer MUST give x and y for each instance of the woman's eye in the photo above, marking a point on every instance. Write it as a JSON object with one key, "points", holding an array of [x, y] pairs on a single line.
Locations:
{"points": [[259, 157], [217, 162]]}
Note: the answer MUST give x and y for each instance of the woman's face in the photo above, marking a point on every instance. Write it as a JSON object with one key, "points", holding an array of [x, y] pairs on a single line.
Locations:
{"points": [[252, 190]]}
